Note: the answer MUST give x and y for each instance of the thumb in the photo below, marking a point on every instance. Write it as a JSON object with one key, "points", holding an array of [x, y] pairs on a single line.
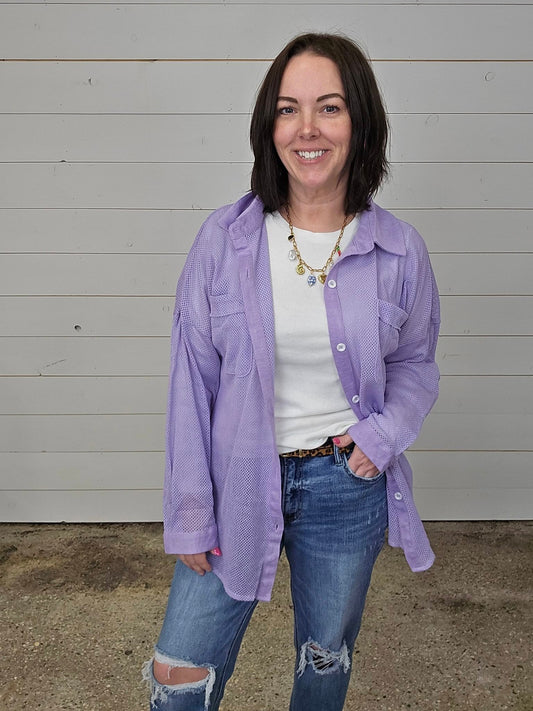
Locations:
{"points": [[342, 440]]}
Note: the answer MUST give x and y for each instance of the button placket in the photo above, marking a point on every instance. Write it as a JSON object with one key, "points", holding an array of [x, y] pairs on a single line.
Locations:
{"points": [[336, 324]]}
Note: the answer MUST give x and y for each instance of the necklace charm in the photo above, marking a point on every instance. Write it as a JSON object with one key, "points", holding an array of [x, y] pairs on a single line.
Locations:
{"points": [[294, 253]]}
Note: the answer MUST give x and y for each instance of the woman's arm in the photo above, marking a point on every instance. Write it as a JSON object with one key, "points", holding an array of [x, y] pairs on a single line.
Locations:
{"points": [[189, 522], [412, 375]]}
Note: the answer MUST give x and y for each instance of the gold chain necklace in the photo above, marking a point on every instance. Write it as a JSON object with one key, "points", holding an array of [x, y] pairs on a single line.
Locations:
{"points": [[294, 253]]}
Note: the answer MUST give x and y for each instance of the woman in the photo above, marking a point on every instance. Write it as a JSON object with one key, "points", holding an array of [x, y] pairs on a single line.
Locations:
{"points": [[302, 367]]}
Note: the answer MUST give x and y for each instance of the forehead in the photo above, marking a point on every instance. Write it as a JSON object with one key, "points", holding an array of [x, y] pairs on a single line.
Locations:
{"points": [[309, 72]]}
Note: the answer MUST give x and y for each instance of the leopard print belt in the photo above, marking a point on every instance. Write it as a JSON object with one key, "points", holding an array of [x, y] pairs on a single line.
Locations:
{"points": [[322, 451]]}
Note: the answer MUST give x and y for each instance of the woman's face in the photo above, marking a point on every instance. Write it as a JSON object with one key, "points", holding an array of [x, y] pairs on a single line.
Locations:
{"points": [[313, 129]]}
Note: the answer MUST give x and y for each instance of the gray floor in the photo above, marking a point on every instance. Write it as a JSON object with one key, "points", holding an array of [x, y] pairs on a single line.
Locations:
{"points": [[81, 606]]}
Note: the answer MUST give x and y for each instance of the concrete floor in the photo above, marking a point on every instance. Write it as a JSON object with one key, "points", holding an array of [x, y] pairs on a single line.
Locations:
{"points": [[81, 605]]}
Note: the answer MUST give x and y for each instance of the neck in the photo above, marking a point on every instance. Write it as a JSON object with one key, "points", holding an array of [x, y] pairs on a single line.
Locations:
{"points": [[317, 214]]}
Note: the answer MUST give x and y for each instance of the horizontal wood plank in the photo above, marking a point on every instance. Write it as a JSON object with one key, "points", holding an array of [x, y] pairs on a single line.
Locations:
{"points": [[473, 396], [111, 185], [82, 433], [115, 231], [484, 274], [82, 274], [475, 504], [156, 87], [463, 355], [143, 505], [100, 231], [87, 316], [461, 138], [208, 185], [86, 506], [482, 432], [165, 31], [444, 185], [482, 230], [99, 395], [151, 316], [271, 2], [145, 432], [63, 471], [486, 316], [469, 470], [85, 356], [83, 395], [88, 356], [215, 138], [448, 486], [92, 507], [97, 506], [156, 275], [118, 185]]}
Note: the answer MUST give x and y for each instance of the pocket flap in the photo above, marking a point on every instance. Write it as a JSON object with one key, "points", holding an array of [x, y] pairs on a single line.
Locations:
{"points": [[225, 305], [391, 314]]}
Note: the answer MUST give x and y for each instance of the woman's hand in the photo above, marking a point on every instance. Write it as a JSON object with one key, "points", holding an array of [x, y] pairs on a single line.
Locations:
{"points": [[358, 462], [196, 561]]}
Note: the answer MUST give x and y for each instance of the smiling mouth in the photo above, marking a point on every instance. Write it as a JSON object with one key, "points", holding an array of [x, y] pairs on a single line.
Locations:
{"points": [[310, 155]]}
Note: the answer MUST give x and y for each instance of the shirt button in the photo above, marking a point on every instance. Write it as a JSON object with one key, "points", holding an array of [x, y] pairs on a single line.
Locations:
{"points": [[332, 283], [341, 347], [355, 399], [398, 496]]}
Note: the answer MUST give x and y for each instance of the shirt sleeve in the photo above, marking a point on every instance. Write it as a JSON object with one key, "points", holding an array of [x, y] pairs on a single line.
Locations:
{"points": [[188, 512], [412, 375]]}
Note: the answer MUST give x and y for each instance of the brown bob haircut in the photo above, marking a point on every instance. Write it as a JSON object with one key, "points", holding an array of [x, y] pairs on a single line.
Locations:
{"points": [[367, 163]]}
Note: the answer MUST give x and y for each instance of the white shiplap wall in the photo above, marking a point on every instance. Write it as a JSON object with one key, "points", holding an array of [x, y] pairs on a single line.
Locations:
{"points": [[123, 123]]}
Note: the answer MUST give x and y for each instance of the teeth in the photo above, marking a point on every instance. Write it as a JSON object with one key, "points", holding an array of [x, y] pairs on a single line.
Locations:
{"points": [[310, 155]]}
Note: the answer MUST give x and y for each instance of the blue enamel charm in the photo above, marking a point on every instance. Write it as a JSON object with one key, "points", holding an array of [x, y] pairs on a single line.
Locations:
{"points": [[311, 279]]}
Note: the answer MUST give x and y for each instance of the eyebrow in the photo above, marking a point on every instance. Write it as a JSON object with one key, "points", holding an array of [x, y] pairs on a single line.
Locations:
{"points": [[319, 99]]}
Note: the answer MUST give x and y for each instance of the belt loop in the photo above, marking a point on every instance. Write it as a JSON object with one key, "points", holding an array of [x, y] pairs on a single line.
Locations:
{"points": [[337, 454]]}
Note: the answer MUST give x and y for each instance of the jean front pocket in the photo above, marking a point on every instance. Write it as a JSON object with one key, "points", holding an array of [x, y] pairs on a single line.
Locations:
{"points": [[358, 477]]}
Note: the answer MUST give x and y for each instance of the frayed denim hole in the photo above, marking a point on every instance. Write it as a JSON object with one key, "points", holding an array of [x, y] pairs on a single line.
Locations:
{"points": [[323, 661], [161, 692]]}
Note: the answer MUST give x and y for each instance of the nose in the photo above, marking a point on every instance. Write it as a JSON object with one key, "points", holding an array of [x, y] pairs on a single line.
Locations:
{"points": [[308, 127]]}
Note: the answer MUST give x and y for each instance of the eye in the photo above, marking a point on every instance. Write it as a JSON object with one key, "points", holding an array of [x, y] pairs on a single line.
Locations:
{"points": [[285, 110], [330, 109]]}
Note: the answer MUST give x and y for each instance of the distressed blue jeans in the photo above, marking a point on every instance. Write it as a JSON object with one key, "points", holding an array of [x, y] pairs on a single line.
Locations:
{"points": [[334, 529]]}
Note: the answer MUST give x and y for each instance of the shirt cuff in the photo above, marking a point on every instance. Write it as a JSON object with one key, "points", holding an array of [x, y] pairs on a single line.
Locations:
{"points": [[371, 443], [187, 543]]}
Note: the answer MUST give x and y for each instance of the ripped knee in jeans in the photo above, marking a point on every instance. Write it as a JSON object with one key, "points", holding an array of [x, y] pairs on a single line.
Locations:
{"points": [[177, 676], [323, 661]]}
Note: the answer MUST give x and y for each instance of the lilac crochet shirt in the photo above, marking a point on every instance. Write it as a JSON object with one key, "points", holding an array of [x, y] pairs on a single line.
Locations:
{"points": [[222, 480]]}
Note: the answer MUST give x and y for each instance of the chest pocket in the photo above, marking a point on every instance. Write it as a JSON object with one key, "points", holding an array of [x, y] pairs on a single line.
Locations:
{"points": [[230, 335], [391, 319]]}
